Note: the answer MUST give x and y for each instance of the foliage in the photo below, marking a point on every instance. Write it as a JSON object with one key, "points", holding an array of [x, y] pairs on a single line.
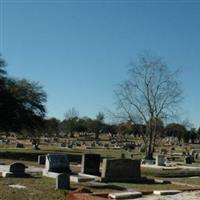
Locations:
{"points": [[176, 130], [51, 127], [22, 103]]}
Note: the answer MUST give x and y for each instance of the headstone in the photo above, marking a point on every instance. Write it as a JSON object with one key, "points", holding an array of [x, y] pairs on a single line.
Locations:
{"points": [[15, 170], [93, 144], [41, 159], [160, 160], [70, 146], [91, 164], [196, 156], [19, 145], [58, 163], [63, 181], [192, 158], [189, 159], [122, 170], [63, 145]]}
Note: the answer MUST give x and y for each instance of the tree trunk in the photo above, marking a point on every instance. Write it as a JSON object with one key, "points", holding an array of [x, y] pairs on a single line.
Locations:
{"points": [[149, 152]]}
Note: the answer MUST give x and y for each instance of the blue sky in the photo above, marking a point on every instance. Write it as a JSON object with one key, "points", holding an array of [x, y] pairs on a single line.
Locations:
{"points": [[79, 50]]}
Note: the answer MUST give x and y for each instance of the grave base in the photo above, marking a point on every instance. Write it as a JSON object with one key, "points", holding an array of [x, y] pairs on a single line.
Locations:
{"points": [[89, 176], [80, 179], [127, 180], [10, 174], [50, 174]]}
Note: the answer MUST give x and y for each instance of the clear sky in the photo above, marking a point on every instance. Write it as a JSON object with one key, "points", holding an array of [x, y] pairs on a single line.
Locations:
{"points": [[79, 49]]}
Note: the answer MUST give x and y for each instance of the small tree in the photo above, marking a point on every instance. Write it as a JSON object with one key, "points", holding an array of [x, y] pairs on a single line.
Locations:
{"points": [[176, 130], [149, 96], [72, 113], [51, 126]]}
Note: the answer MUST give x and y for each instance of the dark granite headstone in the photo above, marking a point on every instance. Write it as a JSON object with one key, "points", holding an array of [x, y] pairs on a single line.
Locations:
{"points": [[19, 145], [57, 163], [63, 182], [91, 164], [121, 170], [189, 159], [41, 159], [17, 168]]}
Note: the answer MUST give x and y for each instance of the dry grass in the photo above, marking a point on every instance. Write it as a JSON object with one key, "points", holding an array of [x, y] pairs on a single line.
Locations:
{"points": [[37, 188]]}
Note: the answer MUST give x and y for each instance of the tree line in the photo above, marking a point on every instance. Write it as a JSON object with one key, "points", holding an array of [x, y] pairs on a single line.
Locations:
{"points": [[55, 128]]}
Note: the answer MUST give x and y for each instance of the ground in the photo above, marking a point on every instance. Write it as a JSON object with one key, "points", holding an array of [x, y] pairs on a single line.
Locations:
{"points": [[42, 188]]}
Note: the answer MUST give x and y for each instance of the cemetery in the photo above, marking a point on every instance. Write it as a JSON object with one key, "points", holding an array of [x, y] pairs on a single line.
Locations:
{"points": [[97, 173], [83, 115]]}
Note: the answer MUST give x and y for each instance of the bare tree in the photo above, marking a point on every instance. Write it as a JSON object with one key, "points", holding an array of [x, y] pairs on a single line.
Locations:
{"points": [[71, 113], [149, 96]]}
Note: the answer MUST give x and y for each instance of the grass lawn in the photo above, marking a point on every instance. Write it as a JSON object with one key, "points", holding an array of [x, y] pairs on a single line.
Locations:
{"points": [[189, 180], [37, 188], [104, 152], [42, 188], [159, 172]]}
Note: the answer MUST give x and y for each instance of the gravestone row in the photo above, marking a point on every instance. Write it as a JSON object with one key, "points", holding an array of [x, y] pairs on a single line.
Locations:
{"points": [[122, 170]]}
